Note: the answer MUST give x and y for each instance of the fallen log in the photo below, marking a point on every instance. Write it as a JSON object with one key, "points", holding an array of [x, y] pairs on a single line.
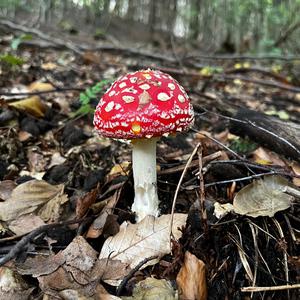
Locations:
{"points": [[272, 133]]}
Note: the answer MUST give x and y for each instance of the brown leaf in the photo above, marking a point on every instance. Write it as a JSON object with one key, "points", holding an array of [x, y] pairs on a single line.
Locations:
{"points": [[296, 169], [40, 265], [25, 223], [135, 242], [37, 162], [267, 157], [113, 269], [83, 204], [28, 197], [51, 211], [6, 188], [191, 279], [33, 105], [263, 197], [24, 136], [96, 228], [76, 268], [38, 86]]}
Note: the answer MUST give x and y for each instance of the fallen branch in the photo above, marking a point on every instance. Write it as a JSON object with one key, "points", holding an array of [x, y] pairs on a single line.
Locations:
{"points": [[274, 134], [20, 245], [268, 83], [258, 70], [224, 77], [251, 289], [243, 57], [62, 43], [58, 90], [132, 272]]}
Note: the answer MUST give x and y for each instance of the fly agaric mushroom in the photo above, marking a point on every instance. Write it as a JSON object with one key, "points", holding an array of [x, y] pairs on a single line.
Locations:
{"points": [[142, 106]]}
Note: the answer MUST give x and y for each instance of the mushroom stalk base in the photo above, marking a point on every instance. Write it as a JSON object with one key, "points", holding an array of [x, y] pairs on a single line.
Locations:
{"points": [[144, 175]]}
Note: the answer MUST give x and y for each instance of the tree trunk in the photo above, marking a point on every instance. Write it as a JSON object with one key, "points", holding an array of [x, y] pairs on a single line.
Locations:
{"points": [[194, 19]]}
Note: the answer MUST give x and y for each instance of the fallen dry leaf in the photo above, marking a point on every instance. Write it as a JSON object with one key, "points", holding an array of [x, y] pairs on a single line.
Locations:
{"points": [[12, 285], [33, 105], [135, 242], [38, 86], [56, 159], [51, 211], [75, 268], [296, 169], [153, 289], [221, 210], [25, 223], [119, 170], [30, 196], [6, 188], [97, 226], [23, 136], [36, 160], [263, 197], [49, 66], [266, 157], [83, 204], [191, 279]]}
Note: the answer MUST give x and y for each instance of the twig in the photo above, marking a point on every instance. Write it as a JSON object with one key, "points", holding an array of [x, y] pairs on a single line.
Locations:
{"points": [[283, 140], [257, 70], [206, 159], [58, 90], [179, 184], [256, 249], [285, 256], [202, 193], [243, 57], [132, 272], [62, 43], [19, 246], [249, 289], [240, 179], [268, 83]]}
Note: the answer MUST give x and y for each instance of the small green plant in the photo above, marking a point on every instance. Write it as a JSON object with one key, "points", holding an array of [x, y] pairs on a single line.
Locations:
{"points": [[10, 63], [88, 95], [242, 145], [99, 34]]}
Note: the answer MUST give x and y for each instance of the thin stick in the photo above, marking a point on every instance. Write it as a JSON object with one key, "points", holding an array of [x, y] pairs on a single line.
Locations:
{"points": [[132, 272], [202, 193], [179, 184], [19, 246], [239, 179], [57, 90], [285, 256], [270, 288]]}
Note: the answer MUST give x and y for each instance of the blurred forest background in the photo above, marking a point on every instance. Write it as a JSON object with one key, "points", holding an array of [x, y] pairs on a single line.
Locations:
{"points": [[212, 26]]}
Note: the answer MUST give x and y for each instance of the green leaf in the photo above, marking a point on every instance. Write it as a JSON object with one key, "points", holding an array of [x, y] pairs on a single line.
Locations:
{"points": [[11, 60], [84, 99], [83, 110], [90, 93]]}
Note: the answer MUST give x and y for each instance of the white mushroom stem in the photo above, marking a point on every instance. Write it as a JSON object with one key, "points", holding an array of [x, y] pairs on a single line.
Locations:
{"points": [[144, 175]]}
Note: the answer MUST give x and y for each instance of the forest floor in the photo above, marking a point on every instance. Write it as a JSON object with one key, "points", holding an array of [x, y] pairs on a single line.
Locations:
{"points": [[67, 229]]}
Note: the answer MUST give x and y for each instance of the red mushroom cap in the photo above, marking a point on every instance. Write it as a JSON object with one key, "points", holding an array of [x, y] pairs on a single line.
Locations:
{"points": [[145, 103]]}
